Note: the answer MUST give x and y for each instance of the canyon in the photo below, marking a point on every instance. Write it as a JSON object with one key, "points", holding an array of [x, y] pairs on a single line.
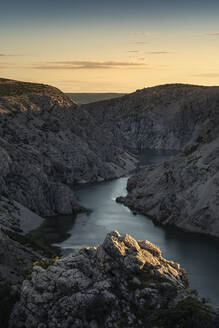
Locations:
{"points": [[183, 191], [49, 144]]}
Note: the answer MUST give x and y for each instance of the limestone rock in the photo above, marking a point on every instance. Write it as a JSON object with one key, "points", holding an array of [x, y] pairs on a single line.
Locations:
{"points": [[120, 283], [183, 191], [47, 144], [162, 117]]}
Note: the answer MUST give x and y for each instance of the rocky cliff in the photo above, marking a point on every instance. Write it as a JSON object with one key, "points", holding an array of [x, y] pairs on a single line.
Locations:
{"points": [[162, 117], [184, 191], [121, 283], [48, 144]]}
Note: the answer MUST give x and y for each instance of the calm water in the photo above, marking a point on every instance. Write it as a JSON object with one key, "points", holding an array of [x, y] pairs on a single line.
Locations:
{"points": [[197, 254]]}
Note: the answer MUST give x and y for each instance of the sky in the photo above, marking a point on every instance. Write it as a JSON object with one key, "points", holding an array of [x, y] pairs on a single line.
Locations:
{"points": [[110, 46]]}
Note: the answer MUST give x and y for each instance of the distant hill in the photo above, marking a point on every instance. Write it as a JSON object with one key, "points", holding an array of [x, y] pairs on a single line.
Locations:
{"points": [[86, 98]]}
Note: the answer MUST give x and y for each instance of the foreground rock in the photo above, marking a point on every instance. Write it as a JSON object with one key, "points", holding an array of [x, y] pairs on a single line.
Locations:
{"points": [[122, 283], [47, 143], [184, 191]]}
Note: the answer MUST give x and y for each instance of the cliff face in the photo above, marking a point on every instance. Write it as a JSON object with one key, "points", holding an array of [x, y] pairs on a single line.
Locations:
{"points": [[47, 144], [121, 283], [183, 191], [162, 117]]}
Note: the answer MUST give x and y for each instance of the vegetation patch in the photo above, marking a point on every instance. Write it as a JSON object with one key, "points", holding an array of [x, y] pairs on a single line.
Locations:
{"points": [[43, 263]]}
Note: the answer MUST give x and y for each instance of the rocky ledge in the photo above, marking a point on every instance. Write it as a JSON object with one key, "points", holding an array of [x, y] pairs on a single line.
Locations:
{"points": [[121, 283]]}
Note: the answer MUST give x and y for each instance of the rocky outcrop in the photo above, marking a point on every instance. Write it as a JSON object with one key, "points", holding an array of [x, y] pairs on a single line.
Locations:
{"points": [[163, 117], [183, 191], [48, 144], [121, 283]]}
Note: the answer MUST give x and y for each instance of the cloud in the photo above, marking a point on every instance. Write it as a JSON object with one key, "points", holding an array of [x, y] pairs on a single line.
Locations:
{"points": [[77, 65], [213, 34], [207, 75], [134, 51], [160, 52]]}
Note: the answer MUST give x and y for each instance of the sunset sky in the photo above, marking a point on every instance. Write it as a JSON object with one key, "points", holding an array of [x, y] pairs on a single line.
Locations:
{"points": [[110, 46]]}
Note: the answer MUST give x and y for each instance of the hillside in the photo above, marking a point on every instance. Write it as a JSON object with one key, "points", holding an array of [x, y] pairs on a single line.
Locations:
{"points": [[49, 144], [183, 191], [46, 145], [163, 117]]}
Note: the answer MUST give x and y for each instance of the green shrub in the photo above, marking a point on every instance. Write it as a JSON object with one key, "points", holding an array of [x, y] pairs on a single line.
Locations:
{"points": [[43, 263]]}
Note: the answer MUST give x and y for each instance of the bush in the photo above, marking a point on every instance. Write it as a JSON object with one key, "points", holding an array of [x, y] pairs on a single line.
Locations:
{"points": [[43, 263]]}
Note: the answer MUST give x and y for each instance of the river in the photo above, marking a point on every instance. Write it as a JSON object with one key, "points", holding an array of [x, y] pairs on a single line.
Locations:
{"points": [[197, 254]]}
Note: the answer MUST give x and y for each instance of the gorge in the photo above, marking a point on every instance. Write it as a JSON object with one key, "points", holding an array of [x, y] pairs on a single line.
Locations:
{"points": [[49, 145]]}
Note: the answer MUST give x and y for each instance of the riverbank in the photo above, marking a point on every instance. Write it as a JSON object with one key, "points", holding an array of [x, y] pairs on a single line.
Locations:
{"points": [[182, 247], [88, 229]]}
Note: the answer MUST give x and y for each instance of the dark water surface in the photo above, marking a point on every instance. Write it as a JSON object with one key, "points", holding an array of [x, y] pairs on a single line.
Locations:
{"points": [[197, 254]]}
